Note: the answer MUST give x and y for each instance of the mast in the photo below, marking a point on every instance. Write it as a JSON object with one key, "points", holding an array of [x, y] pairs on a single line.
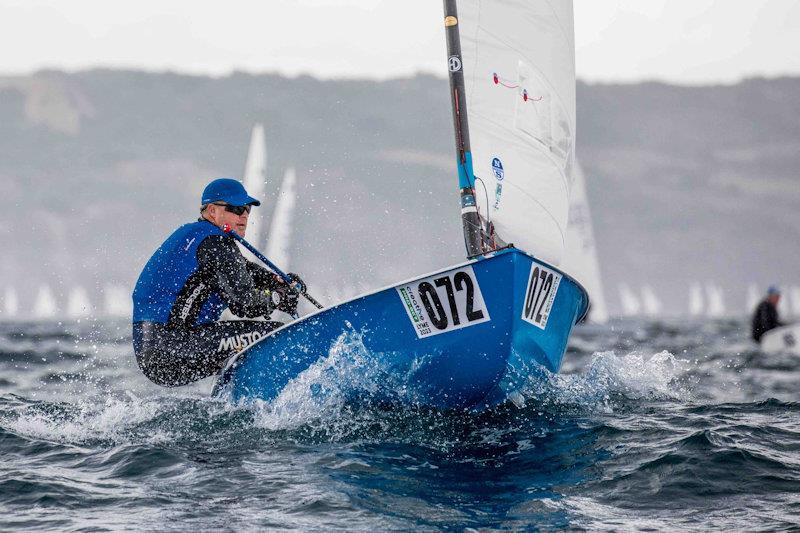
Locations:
{"points": [[470, 219]]}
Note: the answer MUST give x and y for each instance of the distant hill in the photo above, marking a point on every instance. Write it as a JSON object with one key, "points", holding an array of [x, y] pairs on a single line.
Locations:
{"points": [[97, 167]]}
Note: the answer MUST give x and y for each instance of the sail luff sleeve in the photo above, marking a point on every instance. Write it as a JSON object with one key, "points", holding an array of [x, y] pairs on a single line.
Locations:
{"points": [[470, 218]]}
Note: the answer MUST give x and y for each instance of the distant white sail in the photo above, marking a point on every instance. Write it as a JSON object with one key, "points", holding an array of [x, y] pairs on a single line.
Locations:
{"points": [[580, 255], [255, 181], [280, 228], [630, 304], [652, 305], [716, 301], [753, 297], [784, 307], [519, 74], [117, 301], [10, 303], [45, 305], [78, 304], [794, 294], [696, 299]]}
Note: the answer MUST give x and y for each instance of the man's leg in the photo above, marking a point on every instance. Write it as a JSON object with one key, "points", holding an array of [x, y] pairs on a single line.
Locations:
{"points": [[176, 356]]}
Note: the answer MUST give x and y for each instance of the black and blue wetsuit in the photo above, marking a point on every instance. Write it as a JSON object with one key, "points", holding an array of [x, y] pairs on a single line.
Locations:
{"points": [[181, 293]]}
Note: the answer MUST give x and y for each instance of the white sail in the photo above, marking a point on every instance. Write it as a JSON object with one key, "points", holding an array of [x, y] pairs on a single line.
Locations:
{"points": [[519, 74], [580, 255], [794, 295], [716, 301], [753, 297], [117, 301], [630, 304], [784, 308], [45, 305], [696, 299], [78, 304], [280, 228], [652, 305], [255, 181], [10, 303]]}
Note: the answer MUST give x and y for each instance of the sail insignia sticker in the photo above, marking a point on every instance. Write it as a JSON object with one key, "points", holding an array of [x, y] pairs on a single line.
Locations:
{"points": [[455, 63], [444, 302], [497, 169], [540, 294], [450, 21]]}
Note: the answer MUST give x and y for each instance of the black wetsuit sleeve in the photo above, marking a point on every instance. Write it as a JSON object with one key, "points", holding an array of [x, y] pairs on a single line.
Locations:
{"points": [[231, 277], [764, 319], [263, 278]]}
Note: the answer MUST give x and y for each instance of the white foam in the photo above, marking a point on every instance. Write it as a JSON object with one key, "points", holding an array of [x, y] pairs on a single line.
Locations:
{"points": [[634, 376]]}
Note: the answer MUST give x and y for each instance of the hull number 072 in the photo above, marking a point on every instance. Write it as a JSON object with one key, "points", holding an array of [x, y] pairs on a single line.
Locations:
{"points": [[540, 295], [444, 302]]}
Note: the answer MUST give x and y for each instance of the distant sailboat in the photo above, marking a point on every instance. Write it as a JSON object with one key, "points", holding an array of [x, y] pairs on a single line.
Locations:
{"points": [[753, 297], [116, 301], [784, 307], [280, 228], [696, 299], [630, 304], [78, 304], [716, 301], [10, 303], [794, 294], [652, 305], [255, 181], [45, 305], [580, 254]]}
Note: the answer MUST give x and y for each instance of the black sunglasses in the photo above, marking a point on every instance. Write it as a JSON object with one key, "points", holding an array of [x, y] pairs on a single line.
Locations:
{"points": [[237, 210]]}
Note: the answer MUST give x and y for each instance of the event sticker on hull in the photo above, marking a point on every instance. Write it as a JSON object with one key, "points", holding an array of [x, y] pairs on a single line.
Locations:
{"points": [[444, 302], [540, 295]]}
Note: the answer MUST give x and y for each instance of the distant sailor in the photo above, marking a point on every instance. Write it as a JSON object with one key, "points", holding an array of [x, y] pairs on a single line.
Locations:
{"points": [[765, 316], [190, 280]]}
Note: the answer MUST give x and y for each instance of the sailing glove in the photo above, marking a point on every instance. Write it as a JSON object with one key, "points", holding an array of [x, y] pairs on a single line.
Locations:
{"points": [[297, 284], [286, 300]]}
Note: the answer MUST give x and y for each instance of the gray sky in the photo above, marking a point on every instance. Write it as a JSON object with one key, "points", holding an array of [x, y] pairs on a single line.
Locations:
{"points": [[685, 41]]}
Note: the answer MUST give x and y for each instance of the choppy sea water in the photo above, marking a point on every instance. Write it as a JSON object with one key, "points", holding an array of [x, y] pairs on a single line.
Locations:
{"points": [[650, 425]]}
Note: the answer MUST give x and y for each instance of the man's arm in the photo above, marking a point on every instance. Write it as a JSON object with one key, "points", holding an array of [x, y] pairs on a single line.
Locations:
{"points": [[231, 277]]}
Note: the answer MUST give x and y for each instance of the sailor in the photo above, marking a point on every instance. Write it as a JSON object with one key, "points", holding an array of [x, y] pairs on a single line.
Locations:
{"points": [[765, 316], [190, 280]]}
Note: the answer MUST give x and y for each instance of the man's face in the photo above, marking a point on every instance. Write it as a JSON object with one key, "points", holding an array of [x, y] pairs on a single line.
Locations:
{"points": [[219, 216], [774, 299]]}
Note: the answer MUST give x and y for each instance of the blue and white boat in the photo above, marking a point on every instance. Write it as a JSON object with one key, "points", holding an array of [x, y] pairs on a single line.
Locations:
{"points": [[469, 336]]}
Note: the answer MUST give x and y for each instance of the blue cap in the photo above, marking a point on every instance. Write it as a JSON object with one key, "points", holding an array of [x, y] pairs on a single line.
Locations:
{"points": [[229, 191], [773, 290]]}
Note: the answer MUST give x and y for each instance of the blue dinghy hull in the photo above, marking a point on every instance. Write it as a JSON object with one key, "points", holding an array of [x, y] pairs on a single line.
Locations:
{"points": [[463, 338]]}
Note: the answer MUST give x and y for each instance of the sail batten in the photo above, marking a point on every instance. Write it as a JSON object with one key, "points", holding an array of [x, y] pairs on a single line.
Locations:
{"points": [[518, 62]]}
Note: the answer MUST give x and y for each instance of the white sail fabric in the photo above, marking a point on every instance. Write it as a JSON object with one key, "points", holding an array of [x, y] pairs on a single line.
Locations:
{"points": [[630, 304], [280, 228], [519, 73], [696, 299], [794, 294], [580, 255], [10, 303], [255, 181], [716, 301], [45, 305], [753, 297], [78, 304], [784, 309], [117, 301], [652, 305]]}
